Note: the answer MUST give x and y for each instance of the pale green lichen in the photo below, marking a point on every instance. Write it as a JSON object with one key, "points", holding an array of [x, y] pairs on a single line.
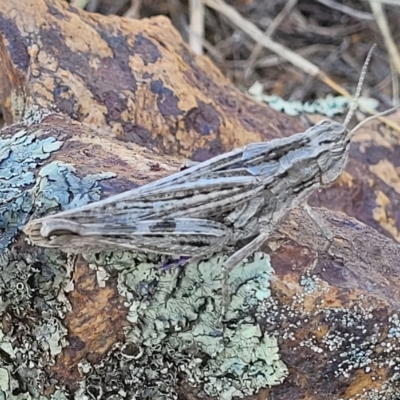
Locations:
{"points": [[58, 186], [174, 316], [329, 107], [310, 283], [394, 326], [19, 155]]}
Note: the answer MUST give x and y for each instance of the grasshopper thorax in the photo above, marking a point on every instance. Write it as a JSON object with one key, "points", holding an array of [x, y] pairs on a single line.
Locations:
{"points": [[332, 141]]}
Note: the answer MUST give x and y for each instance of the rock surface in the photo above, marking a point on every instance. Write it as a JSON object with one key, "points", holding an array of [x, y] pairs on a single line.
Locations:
{"points": [[133, 103]]}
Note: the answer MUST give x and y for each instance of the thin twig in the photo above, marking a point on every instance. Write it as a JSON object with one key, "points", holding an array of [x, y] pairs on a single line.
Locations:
{"points": [[213, 52], [269, 32], [274, 60], [196, 29], [134, 9], [395, 85], [289, 55], [383, 24], [389, 2], [346, 10], [257, 35]]}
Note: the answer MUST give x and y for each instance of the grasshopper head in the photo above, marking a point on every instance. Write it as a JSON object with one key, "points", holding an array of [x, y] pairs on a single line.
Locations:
{"points": [[333, 141], [333, 161], [334, 138]]}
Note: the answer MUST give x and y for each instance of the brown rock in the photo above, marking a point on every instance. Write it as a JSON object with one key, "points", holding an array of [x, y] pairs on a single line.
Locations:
{"points": [[134, 80], [139, 103]]}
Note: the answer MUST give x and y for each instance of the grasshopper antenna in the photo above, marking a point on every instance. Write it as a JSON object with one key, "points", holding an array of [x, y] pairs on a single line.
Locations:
{"points": [[381, 114], [354, 103]]}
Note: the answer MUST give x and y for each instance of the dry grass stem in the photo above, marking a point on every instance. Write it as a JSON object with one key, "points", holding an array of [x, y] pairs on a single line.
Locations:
{"points": [[196, 29], [308, 67]]}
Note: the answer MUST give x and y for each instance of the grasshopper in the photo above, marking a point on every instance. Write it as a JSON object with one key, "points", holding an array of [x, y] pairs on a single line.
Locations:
{"points": [[242, 194]]}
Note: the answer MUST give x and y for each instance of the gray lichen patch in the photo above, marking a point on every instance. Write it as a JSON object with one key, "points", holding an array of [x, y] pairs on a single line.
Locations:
{"points": [[31, 331], [21, 192], [32, 281], [19, 155], [10, 387], [59, 187], [175, 334]]}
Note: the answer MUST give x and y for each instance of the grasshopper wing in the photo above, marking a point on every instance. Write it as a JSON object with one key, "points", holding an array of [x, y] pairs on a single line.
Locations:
{"points": [[175, 236]]}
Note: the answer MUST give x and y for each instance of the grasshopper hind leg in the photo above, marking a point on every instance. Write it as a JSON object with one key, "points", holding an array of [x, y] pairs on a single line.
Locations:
{"points": [[321, 225], [267, 222], [233, 261]]}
